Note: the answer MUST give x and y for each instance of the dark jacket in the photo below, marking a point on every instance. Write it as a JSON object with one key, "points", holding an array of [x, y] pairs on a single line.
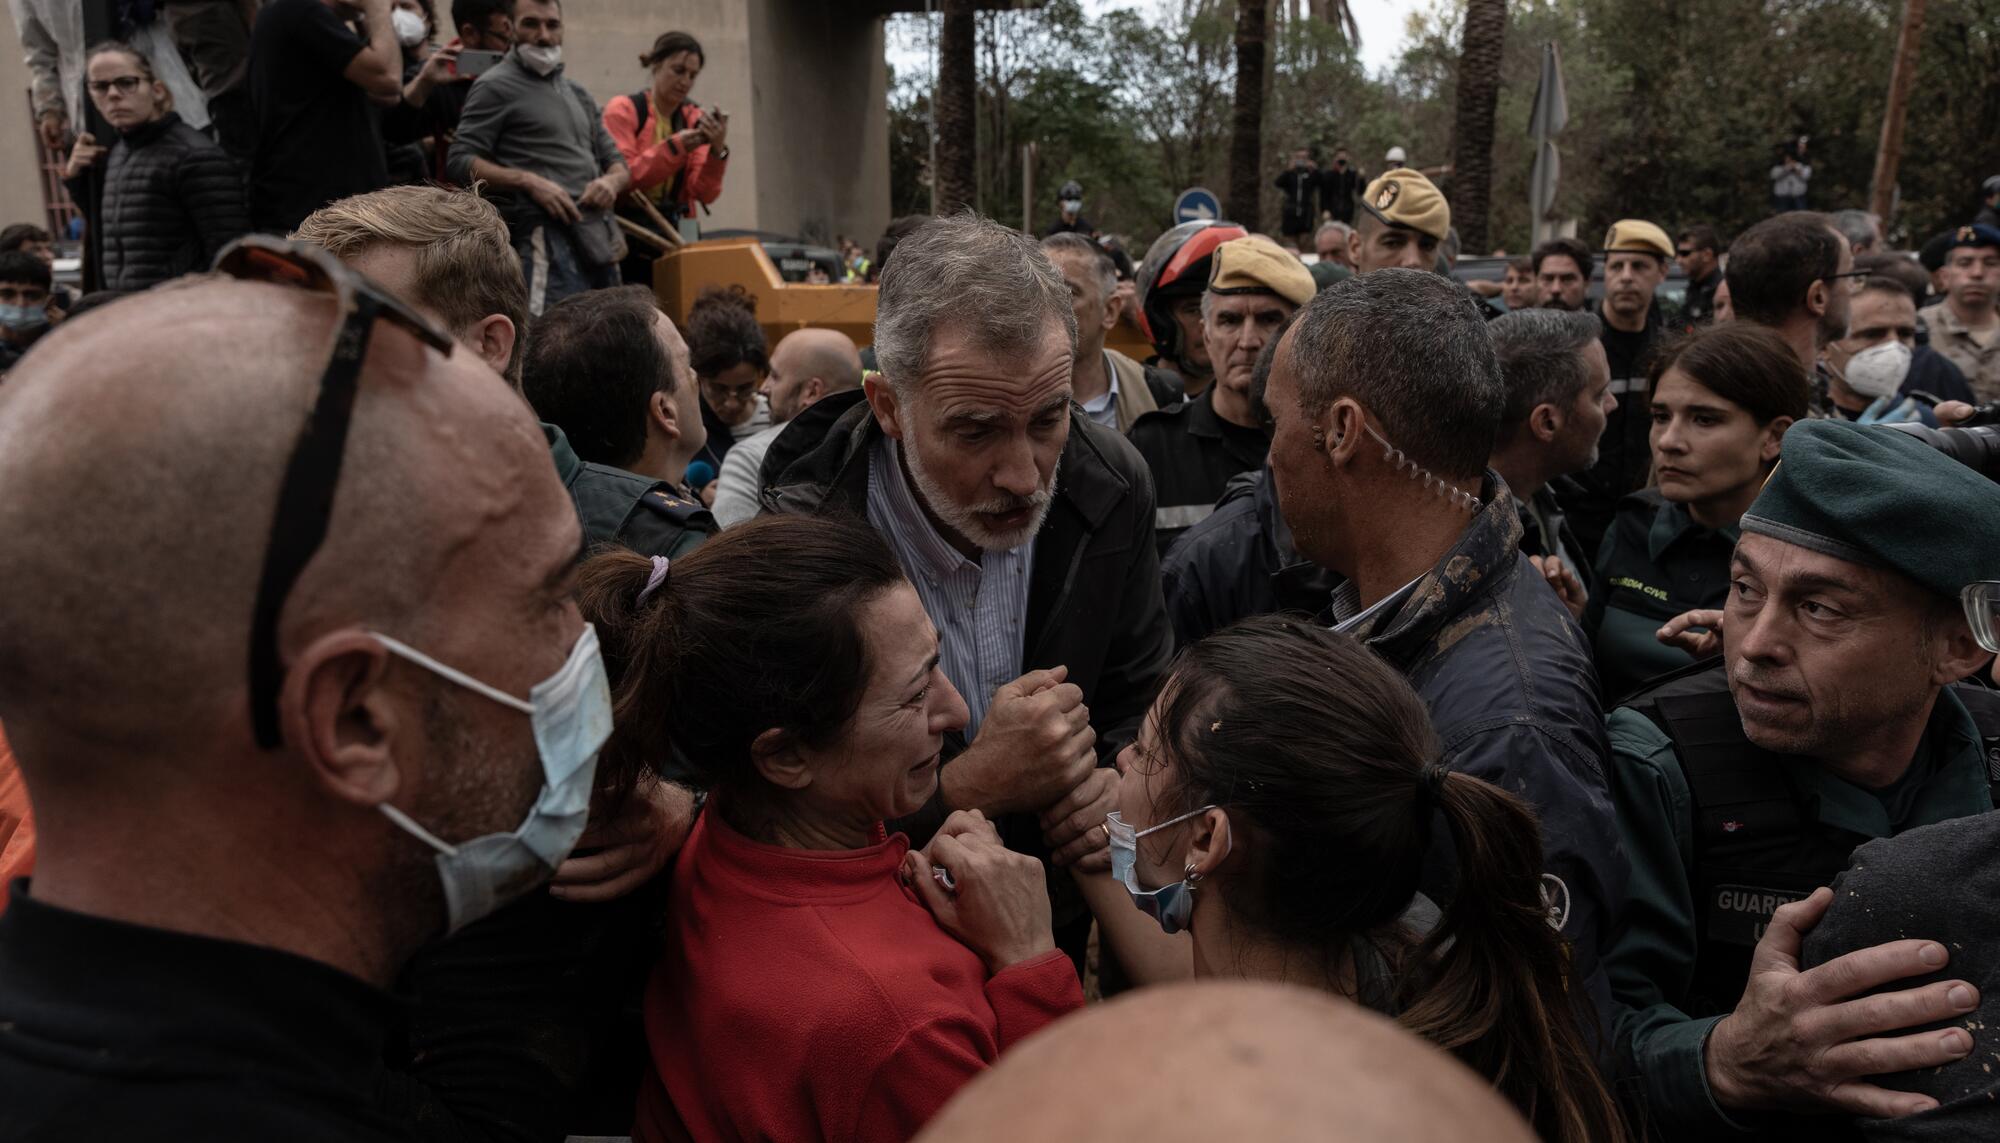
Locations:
{"points": [[1094, 604], [1624, 453], [1511, 690], [649, 516], [1655, 563], [1300, 205], [1698, 308], [1932, 372], [1193, 454], [172, 201], [1238, 563]]}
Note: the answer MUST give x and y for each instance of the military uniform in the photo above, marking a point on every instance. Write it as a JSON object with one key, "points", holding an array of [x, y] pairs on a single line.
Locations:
{"points": [[1721, 833], [1656, 563], [651, 517]]}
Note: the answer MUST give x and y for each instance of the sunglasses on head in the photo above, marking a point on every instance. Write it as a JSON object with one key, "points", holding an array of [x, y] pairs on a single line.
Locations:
{"points": [[305, 498]]}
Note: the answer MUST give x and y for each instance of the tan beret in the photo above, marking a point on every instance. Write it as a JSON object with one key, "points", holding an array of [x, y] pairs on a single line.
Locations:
{"points": [[1257, 265], [1637, 236], [1404, 198]]}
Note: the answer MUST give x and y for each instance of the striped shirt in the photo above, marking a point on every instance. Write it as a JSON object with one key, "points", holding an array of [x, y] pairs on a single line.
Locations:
{"points": [[980, 609]]}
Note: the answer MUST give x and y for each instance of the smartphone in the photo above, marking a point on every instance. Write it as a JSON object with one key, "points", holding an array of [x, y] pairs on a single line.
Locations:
{"points": [[472, 62]]}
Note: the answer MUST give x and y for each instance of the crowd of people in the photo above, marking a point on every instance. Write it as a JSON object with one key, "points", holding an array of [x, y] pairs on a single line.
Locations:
{"points": [[1388, 710], [304, 102]]}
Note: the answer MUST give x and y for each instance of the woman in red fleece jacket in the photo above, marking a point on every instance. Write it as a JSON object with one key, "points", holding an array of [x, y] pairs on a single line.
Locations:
{"points": [[806, 991]]}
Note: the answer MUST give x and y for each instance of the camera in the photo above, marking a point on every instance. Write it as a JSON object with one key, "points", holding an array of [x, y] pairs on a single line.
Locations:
{"points": [[1973, 442]]}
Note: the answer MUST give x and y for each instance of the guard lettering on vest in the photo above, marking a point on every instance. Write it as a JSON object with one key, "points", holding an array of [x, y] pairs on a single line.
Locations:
{"points": [[1739, 914]]}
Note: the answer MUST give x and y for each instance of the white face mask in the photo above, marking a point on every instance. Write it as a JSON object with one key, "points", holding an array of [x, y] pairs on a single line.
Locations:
{"points": [[409, 27], [571, 714], [1878, 370], [539, 59], [1072, 205]]}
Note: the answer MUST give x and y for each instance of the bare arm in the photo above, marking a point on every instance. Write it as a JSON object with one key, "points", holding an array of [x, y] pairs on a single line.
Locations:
{"points": [[378, 68]]}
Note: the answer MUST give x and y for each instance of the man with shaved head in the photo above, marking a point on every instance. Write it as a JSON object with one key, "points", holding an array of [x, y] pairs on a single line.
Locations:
{"points": [[320, 697], [526, 1045], [807, 365], [1194, 1063]]}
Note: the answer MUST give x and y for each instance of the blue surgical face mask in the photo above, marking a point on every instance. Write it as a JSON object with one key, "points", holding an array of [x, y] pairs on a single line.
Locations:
{"points": [[24, 319], [1171, 905], [571, 714]]}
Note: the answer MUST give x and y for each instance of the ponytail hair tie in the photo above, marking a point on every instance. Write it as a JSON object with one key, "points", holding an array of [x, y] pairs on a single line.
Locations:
{"points": [[1430, 781], [653, 581]]}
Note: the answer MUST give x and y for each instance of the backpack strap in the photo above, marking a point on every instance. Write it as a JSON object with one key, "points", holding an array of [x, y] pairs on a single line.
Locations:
{"points": [[642, 106]]}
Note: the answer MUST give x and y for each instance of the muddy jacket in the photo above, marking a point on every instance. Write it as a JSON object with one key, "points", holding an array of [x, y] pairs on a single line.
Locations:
{"points": [[1094, 601], [1512, 692]]}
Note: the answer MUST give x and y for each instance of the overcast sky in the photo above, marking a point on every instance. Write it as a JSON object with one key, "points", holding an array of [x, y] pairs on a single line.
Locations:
{"points": [[1382, 25]]}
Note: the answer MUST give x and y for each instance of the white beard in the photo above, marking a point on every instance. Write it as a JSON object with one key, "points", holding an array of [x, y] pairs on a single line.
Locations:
{"points": [[965, 520]]}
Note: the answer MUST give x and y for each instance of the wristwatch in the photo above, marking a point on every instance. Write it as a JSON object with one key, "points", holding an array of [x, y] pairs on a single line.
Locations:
{"points": [[723, 154]]}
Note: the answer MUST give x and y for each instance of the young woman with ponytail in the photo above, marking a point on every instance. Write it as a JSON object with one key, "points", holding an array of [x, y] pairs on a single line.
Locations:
{"points": [[1279, 806]]}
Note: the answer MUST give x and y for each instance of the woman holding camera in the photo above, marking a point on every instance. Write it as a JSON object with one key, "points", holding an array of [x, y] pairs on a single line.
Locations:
{"points": [[677, 152], [1722, 400], [808, 989]]}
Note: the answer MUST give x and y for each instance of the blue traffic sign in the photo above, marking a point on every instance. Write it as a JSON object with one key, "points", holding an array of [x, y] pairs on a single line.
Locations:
{"points": [[1197, 204]]}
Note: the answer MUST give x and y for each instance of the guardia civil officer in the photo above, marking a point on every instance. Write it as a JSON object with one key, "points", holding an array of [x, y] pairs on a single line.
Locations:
{"points": [[1744, 783], [1722, 399], [609, 375]]}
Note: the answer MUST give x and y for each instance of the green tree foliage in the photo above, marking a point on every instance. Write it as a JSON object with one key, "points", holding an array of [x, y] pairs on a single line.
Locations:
{"points": [[1676, 107]]}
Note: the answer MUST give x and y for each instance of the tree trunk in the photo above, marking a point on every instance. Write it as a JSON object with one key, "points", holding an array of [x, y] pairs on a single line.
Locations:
{"points": [[1246, 143], [1903, 73], [957, 177], [1472, 133]]}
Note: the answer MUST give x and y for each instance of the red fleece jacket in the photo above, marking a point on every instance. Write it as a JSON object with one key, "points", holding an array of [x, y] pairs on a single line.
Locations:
{"points": [[806, 994]]}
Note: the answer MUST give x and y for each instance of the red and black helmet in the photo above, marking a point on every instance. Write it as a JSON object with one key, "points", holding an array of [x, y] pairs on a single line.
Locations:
{"points": [[1176, 266]]}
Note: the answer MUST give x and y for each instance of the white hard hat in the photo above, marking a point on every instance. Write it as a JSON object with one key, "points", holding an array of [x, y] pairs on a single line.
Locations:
{"points": [[1396, 155]]}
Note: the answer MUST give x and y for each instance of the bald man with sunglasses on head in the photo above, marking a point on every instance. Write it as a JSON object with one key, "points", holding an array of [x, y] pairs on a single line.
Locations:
{"points": [[323, 700]]}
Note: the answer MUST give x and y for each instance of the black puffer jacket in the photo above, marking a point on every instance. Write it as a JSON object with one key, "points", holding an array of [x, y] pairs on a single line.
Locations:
{"points": [[172, 200]]}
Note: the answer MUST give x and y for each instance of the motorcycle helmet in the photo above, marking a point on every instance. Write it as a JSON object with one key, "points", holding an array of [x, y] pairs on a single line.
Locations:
{"points": [[1176, 266]]}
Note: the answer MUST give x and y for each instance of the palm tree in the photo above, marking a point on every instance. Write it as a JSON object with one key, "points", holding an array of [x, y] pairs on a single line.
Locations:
{"points": [[1246, 142], [1472, 132], [956, 177]]}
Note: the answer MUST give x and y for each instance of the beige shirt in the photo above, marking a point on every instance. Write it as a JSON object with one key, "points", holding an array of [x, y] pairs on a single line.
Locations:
{"points": [[1976, 357]]}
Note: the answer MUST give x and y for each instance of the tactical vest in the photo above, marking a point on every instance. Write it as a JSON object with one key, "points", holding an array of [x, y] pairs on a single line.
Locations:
{"points": [[648, 516], [1758, 843]]}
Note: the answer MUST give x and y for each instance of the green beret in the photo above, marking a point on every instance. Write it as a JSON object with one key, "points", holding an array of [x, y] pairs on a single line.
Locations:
{"points": [[1882, 498]]}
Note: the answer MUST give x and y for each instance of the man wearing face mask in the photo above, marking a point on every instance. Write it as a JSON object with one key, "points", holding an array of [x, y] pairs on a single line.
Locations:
{"points": [[1069, 200], [535, 135], [383, 726], [24, 304], [1879, 361]]}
